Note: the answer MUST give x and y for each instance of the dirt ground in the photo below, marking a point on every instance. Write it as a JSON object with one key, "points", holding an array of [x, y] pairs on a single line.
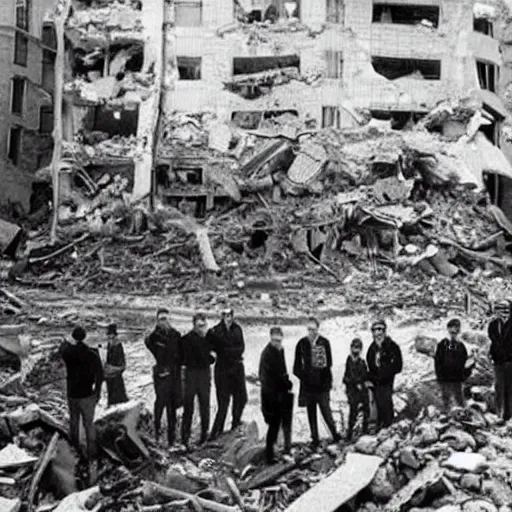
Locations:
{"points": [[135, 315]]}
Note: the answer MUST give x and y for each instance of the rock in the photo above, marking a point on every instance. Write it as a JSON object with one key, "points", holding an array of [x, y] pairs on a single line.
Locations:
{"points": [[480, 440], [489, 452], [386, 448], [409, 473], [505, 509], [367, 445], [426, 434], [450, 508], [470, 462], [425, 345], [498, 491], [9, 505], [471, 482], [459, 439], [175, 479], [454, 476], [408, 457], [478, 506], [382, 487], [369, 506], [475, 338], [432, 412], [384, 434]]}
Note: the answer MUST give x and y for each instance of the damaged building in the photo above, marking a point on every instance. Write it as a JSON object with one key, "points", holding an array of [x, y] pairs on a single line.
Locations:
{"points": [[27, 53]]}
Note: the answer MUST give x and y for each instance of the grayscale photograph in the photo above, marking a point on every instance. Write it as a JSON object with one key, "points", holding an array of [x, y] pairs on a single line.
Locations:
{"points": [[256, 255]]}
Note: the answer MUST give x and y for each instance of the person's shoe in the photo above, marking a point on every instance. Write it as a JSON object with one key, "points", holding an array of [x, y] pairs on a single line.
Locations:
{"points": [[315, 443], [336, 438]]}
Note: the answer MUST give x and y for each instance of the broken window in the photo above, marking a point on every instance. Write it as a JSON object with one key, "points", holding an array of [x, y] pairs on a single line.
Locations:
{"points": [[400, 119], [23, 14], [189, 68], [251, 119], [393, 68], [488, 75], [116, 121], [248, 65], [20, 49], [45, 120], [405, 14], [48, 75], [335, 11], [126, 58], [331, 117], [281, 10], [189, 175], [484, 26], [188, 13], [334, 64], [84, 63], [14, 149], [18, 95], [49, 36]]}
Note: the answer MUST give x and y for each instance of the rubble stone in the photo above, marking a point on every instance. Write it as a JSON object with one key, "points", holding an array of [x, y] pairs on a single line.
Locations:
{"points": [[459, 439], [425, 345], [408, 457], [367, 444], [382, 487], [386, 448], [471, 482], [478, 506], [425, 434]]}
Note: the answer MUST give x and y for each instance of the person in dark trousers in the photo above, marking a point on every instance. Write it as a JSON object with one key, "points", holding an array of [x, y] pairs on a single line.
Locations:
{"points": [[114, 368], [84, 378], [229, 345], [312, 366], [450, 366], [384, 360], [164, 342], [275, 392], [355, 380], [197, 359], [500, 333]]}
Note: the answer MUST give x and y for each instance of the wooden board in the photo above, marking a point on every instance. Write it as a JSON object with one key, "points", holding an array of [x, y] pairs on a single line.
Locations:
{"points": [[341, 486]]}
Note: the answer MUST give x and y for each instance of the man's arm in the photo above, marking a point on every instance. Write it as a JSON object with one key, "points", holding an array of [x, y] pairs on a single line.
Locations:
{"points": [[437, 359], [98, 373], [298, 368], [150, 343], [328, 353], [347, 379], [398, 361], [240, 343]]}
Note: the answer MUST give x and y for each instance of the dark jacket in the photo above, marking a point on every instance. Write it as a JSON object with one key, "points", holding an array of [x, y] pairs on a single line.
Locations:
{"points": [[275, 383], [228, 344], [390, 362], [500, 333], [450, 361], [356, 373], [84, 370], [312, 380], [116, 390], [196, 351], [166, 347]]}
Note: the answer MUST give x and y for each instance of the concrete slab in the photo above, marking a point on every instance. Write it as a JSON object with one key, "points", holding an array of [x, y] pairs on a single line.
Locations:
{"points": [[352, 477]]}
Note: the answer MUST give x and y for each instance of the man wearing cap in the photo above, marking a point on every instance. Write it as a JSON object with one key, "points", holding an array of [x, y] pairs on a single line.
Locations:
{"points": [[114, 368], [228, 343], [275, 392], [197, 359], [384, 360], [312, 366], [84, 378], [164, 342], [500, 333]]}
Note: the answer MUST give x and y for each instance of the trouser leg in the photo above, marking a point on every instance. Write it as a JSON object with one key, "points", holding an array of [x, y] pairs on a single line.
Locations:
{"points": [[239, 395], [74, 422], [171, 422], [287, 420], [188, 406], [204, 402], [160, 402], [458, 394], [311, 403], [223, 397], [352, 416], [87, 406], [445, 395], [507, 414], [274, 422], [325, 409], [499, 389], [365, 408], [384, 402]]}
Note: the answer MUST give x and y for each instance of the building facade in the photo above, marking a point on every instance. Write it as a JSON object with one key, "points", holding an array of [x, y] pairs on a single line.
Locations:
{"points": [[27, 54]]}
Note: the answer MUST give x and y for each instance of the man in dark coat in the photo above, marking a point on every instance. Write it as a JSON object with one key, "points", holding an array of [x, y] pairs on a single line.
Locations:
{"points": [[84, 379], [114, 368], [228, 343], [384, 360], [275, 392], [500, 333], [164, 342], [450, 366], [197, 359], [355, 379], [312, 366]]}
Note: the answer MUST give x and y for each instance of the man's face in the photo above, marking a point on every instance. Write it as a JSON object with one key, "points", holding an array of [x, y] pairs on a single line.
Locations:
{"points": [[312, 330], [112, 338], [227, 316], [453, 331], [355, 350], [201, 327], [379, 333], [162, 320], [502, 311], [276, 339]]}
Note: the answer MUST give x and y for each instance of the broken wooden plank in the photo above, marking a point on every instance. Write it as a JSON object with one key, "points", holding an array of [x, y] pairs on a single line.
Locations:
{"points": [[268, 475], [331, 493], [61, 250], [14, 299], [43, 464]]}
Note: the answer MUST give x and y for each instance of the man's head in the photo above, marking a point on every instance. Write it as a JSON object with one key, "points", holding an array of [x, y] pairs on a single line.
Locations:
{"points": [[313, 327], [200, 324], [502, 308], [453, 327], [379, 331], [112, 332], [162, 317], [276, 335], [78, 333], [227, 316], [356, 347]]}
